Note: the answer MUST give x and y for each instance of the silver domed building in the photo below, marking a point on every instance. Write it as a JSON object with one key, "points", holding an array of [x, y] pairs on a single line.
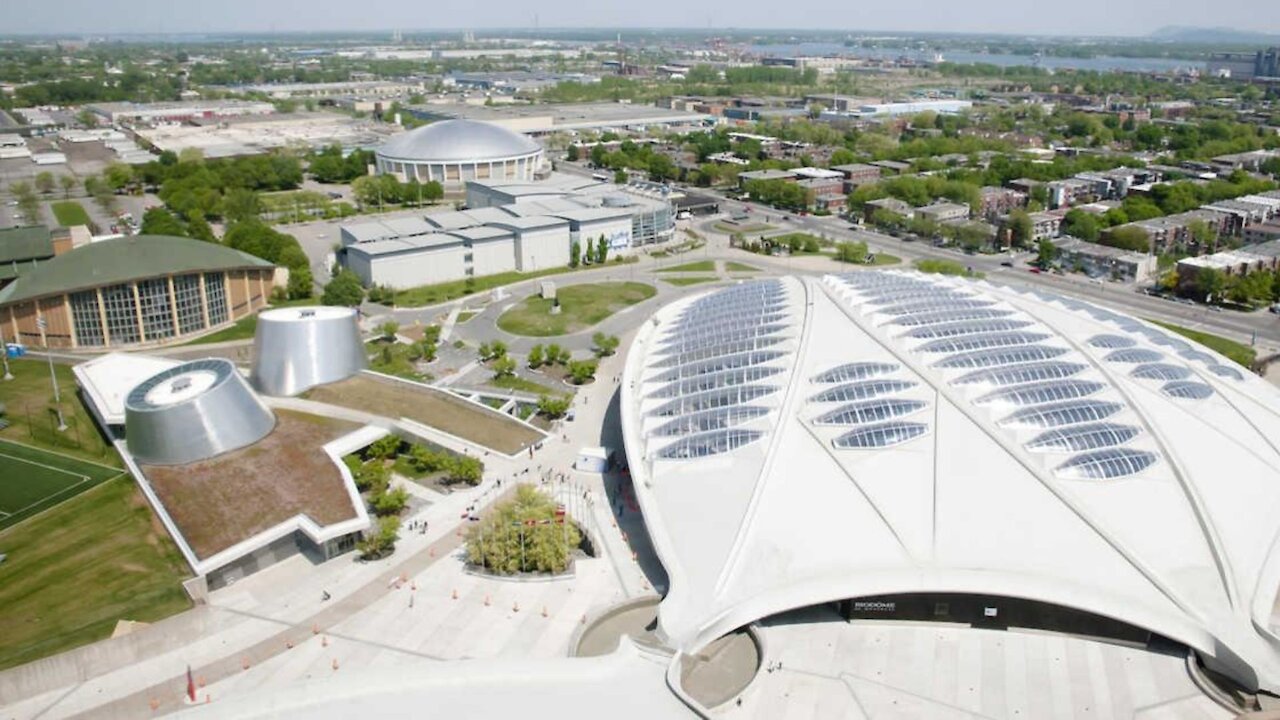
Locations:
{"points": [[193, 412], [296, 349], [452, 152]]}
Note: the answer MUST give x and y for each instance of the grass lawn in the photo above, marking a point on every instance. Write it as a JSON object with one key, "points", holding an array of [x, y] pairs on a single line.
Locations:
{"points": [[74, 571], [443, 292], [466, 315], [699, 266], [730, 228], [735, 266], [69, 213], [687, 281], [581, 306], [1238, 352], [245, 327], [515, 383], [885, 259], [945, 267], [33, 480], [392, 358], [28, 398], [431, 407]]}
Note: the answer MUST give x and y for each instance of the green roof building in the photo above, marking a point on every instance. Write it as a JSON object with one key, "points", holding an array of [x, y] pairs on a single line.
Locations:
{"points": [[22, 248], [141, 290]]}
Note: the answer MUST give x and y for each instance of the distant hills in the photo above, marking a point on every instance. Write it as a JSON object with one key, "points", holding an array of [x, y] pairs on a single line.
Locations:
{"points": [[1180, 33]]}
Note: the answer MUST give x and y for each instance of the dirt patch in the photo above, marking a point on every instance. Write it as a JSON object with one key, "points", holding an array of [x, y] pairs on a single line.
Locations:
{"points": [[219, 502], [431, 407]]}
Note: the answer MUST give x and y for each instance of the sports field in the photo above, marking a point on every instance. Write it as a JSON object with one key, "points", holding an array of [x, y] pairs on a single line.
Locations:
{"points": [[33, 480]]}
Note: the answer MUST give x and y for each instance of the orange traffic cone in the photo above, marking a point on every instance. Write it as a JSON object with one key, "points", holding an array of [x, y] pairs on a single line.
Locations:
{"points": [[155, 704]]}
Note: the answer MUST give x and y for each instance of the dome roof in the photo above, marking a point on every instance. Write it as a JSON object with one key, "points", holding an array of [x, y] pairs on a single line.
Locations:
{"points": [[801, 440], [458, 141]]}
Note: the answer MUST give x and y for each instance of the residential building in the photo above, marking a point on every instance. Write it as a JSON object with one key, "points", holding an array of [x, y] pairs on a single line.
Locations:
{"points": [[943, 212], [998, 201], [1104, 261]]}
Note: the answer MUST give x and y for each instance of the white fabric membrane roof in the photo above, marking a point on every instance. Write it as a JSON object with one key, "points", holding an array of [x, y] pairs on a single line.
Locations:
{"points": [[801, 440]]}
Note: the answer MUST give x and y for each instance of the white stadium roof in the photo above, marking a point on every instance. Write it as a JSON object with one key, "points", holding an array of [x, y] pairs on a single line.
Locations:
{"points": [[458, 141], [798, 441]]}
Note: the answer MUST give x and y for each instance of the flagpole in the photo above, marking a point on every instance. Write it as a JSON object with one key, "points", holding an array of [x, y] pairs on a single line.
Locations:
{"points": [[4, 354], [57, 395]]}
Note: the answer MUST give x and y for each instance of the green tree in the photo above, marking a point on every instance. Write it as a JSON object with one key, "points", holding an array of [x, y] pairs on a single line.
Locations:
{"points": [[241, 205], [118, 176], [1081, 224], [553, 407], [557, 355], [430, 349], [344, 289], [1129, 237], [851, 252], [68, 183], [528, 533], [572, 153], [1211, 283], [1021, 228], [575, 254], [380, 541], [386, 447], [599, 155], [535, 357], [582, 371], [44, 182], [390, 502], [504, 366], [198, 228], [605, 345], [1046, 253], [1204, 235], [159, 221], [602, 250], [620, 177], [388, 330]]}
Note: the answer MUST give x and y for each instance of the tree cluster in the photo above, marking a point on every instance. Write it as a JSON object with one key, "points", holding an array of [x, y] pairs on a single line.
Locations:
{"points": [[529, 533]]}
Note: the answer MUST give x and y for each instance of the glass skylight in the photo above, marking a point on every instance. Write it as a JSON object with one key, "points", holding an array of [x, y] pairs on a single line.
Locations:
{"points": [[1000, 357], [1071, 412], [1078, 438], [870, 411], [1107, 464], [707, 444], [864, 390], [855, 371], [880, 436]]}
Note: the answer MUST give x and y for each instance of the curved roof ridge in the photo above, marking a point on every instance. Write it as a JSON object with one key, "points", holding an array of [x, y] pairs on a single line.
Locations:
{"points": [[458, 141], [124, 259]]}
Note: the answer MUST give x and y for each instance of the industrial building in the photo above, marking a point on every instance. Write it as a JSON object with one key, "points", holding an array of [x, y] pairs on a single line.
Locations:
{"points": [[570, 118], [362, 88], [509, 226], [258, 134], [453, 152], [127, 113], [134, 291]]}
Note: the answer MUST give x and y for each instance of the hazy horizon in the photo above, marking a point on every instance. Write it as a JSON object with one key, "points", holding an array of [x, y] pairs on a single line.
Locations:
{"points": [[1088, 17]]}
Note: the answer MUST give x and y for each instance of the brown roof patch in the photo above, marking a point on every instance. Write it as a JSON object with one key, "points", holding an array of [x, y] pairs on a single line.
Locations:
{"points": [[219, 502]]}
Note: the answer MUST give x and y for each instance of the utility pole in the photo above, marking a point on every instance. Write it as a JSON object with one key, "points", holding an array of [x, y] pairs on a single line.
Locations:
{"points": [[4, 354], [53, 377]]}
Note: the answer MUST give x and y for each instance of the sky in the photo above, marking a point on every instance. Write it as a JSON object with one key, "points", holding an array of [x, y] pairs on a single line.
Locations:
{"points": [[1081, 17]]}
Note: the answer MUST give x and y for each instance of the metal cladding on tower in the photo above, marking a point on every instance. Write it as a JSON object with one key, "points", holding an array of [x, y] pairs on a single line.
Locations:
{"points": [[296, 349], [193, 412]]}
